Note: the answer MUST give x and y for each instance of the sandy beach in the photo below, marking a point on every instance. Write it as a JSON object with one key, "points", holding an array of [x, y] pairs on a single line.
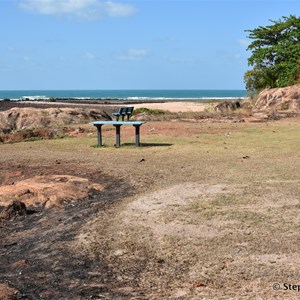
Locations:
{"points": [[176, 106], [172, 106]]}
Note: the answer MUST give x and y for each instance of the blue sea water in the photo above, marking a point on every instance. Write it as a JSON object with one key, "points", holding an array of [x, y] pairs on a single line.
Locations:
{"points": [[124, 94]]}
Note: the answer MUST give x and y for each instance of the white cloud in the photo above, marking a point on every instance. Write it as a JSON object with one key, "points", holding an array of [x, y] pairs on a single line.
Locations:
{"points": [[229, 56], [177, 60], [11, 49], [243, 42], [114, 9], [84, 9], [89, 56], [26, 58], [6, 68], [134, 54], [165, 40]]}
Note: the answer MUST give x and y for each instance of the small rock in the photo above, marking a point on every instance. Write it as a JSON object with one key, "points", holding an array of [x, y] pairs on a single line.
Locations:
{"points": [[119, 252], [12, 211], [8, 293]]}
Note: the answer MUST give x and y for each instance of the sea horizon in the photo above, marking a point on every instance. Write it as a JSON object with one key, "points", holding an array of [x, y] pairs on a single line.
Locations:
{"points": [[125, 94]]}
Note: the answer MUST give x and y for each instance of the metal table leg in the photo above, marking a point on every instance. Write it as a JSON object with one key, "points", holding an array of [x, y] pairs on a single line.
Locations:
{"points": [[99, 134], [137, 135], [118, 135]]}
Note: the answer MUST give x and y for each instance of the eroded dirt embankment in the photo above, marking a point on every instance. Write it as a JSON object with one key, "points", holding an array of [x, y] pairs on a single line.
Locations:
{"points": [[29, 118], [279, 99], [22, 122]]}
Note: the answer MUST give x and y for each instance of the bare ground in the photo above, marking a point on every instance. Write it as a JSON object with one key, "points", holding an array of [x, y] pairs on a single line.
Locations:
{"points": [[201, 211], [35, 256]]}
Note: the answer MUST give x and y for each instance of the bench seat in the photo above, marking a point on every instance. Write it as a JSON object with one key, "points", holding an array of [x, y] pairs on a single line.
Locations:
{"points": [[123, 112]]}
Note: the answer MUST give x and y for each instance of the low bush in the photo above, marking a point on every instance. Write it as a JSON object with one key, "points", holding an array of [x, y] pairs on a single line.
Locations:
{"points": [[149, 111]]}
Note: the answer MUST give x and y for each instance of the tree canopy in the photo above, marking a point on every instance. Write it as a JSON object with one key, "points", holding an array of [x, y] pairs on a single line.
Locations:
{"points": [[275, 55]]}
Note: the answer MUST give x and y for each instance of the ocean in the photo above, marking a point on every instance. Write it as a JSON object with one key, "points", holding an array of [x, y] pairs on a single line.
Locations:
{"points": [[124, 94]]}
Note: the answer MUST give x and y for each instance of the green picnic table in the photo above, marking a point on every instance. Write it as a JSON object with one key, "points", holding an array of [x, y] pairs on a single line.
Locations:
{"points": [[117, 125]]}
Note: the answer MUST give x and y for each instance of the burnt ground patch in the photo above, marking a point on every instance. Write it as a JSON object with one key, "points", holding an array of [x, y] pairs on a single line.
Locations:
{"points": [[35, 256]]}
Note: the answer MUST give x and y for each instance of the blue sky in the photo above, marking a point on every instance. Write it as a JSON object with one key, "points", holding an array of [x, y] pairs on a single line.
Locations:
{"points": [[124, 44]]}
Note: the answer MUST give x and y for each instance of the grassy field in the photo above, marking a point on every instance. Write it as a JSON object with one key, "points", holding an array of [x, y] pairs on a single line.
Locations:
{"points": [[211, 211]]}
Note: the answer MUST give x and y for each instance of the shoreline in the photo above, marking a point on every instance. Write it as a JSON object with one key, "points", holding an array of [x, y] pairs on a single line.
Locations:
{"points": [[128, 100], [170, 105], [125, 95]]}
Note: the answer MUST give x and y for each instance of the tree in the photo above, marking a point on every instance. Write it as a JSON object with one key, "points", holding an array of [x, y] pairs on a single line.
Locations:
{"points": [[275, 55]]}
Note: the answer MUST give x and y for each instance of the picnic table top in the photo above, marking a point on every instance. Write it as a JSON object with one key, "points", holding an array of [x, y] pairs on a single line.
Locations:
{"points": [[117, 123]]}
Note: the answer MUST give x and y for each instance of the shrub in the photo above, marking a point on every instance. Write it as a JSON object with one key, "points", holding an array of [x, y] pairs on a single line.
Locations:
{"points": [[149, 111]]}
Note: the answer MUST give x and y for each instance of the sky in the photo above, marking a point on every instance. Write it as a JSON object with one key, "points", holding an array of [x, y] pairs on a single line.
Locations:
{"points": [[130, 44]]}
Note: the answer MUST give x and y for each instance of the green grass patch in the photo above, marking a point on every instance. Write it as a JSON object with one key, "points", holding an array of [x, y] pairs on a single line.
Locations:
{"points": [[149, 111]]}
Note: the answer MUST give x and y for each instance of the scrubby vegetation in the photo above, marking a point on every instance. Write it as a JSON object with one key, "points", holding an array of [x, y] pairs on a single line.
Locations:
{"points": [[149, 111]]}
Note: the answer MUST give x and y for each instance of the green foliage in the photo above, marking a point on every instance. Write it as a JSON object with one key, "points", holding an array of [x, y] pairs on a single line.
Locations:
{"points": [[149, 111], [45, 113], [275, 55], [33, 139]]}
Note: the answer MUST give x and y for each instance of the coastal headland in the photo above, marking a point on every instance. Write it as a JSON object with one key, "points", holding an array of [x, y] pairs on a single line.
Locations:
{"points": [[206, 208]]}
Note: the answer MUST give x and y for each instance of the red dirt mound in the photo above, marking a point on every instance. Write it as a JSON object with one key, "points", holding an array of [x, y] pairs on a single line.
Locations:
{"points": [[48, 190]]}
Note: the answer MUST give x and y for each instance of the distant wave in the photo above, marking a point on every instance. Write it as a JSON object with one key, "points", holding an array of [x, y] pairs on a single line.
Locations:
{"points": [[133, 95], [45, 98], [34, 97]]}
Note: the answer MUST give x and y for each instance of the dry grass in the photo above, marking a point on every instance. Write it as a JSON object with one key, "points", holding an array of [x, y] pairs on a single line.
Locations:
{"points": [[213, 211]]}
